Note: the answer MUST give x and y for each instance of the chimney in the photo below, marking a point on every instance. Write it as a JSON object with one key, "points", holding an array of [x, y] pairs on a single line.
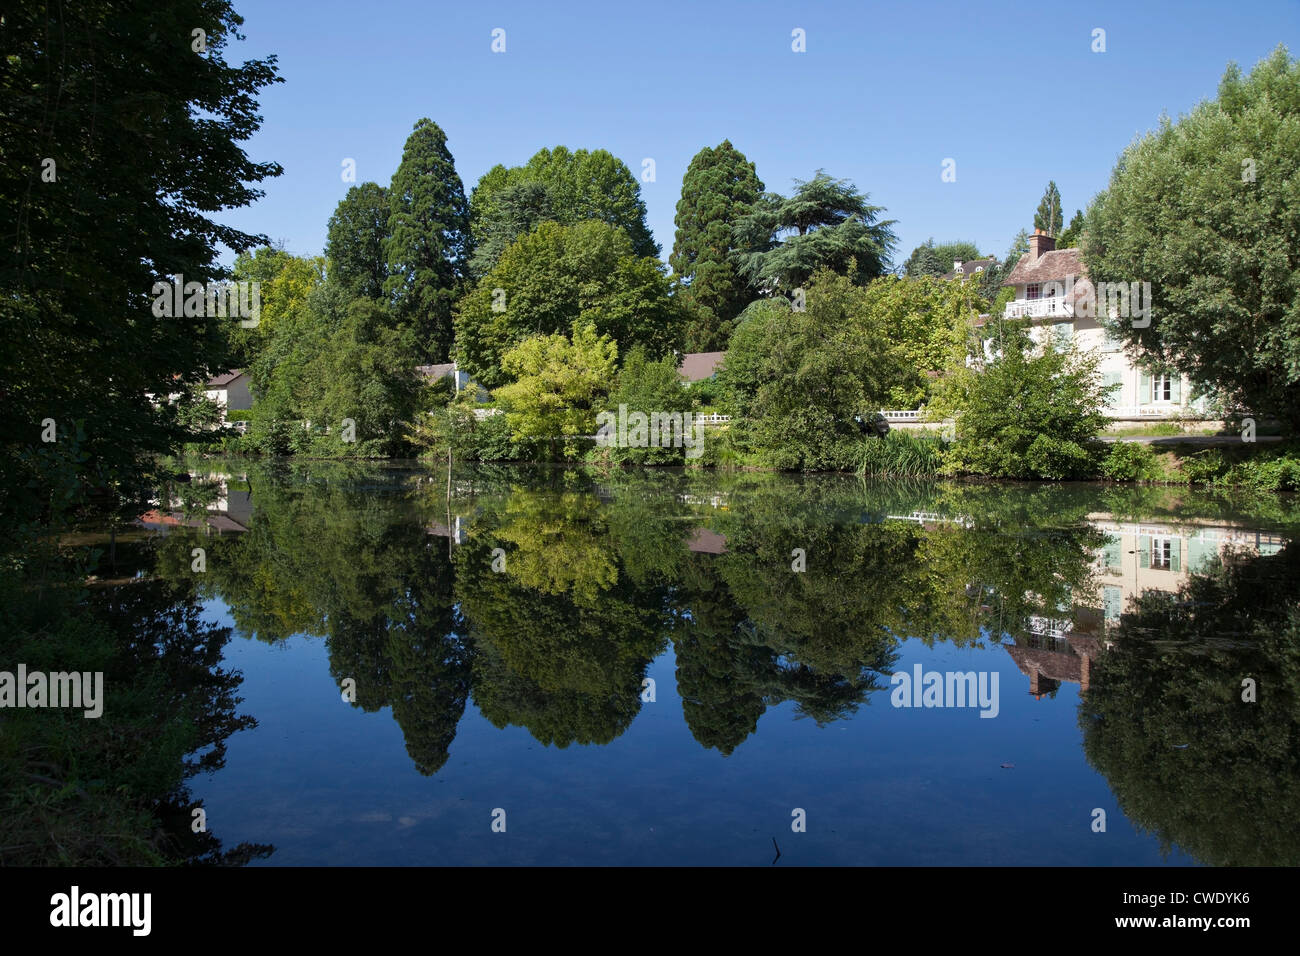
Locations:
{"points": [[1039, 243]]}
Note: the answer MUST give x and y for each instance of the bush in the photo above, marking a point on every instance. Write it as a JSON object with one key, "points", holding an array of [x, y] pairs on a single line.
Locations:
{"points": [[901, 455], [1130, 461]]}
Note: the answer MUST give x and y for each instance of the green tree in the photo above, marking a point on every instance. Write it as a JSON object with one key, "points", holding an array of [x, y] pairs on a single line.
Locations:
{"points": [[560, 384], [1033, 412], [579, 185], [648, 386], [1069, 239], [1223, 255], [1048, 215], [119, 142], [355, 247], [559, 275], [827, 223], [428, 242], [927, 259], [719, 187]]}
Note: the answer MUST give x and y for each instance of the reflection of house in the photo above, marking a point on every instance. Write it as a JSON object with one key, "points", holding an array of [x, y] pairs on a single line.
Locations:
{"points": [[1137, 557], [1050, 284]]}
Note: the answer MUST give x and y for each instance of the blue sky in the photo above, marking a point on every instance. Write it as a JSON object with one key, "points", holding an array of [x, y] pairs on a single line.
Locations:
{"points": [[884, 94]]}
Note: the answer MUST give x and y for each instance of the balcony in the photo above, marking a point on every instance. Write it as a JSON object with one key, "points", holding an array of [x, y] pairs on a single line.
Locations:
{"points": [[1057, 305]]}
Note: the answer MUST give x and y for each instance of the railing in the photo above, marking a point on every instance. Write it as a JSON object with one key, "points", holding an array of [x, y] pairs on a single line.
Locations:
{"points": [[712, 419], [902, 415], [1039, 308], [1146, 411]]}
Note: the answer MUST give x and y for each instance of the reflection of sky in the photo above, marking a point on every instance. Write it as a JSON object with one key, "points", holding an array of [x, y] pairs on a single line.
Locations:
{"points": [[329, 784]]}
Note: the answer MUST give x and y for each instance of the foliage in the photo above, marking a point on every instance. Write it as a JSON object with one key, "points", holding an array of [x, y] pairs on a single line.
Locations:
{"points": [[1222, 257], [1047, 216], [358, 229], [902, 455], [556, 276], [827, 223], [428, 242], [720, 186], [927, 259], [648, 387], [576, 186], [559, 385], [1030, 413], [1130, 461], [1073, 234]]}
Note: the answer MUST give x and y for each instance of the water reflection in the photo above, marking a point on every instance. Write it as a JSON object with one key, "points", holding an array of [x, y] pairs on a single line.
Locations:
{"points": [[546, 595]]}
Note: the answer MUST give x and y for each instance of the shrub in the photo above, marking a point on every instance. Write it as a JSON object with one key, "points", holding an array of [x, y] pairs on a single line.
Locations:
{"points": [[1130, 461], [901, 455]]}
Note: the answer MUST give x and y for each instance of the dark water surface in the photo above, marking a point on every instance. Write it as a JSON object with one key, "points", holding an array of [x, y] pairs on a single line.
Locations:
{"points": [[629, 668]]}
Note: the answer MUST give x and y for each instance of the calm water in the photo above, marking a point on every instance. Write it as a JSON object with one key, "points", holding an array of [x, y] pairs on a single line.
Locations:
{"points": [[678, 668]]}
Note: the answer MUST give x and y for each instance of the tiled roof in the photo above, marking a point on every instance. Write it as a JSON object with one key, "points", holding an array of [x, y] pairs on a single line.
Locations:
{"points": [[435, 371], [224, 379], [970, 268], [697, 366], [1055, 266]]}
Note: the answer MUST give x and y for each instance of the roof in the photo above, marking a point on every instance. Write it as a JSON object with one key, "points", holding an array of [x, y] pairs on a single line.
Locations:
{"points": [[436, 371], [970, 268], [697, 366], [225, 378], [1055, 266]]}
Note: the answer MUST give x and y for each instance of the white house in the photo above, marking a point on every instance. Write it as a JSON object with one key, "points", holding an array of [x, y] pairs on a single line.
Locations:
{"points": [[1048, 282], [230, 391]]}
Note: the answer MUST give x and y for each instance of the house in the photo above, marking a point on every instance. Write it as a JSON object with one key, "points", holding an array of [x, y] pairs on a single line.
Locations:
{"points": [[1053, 292], [459, 377], [698, 366], [230, 391], [964, 270]]}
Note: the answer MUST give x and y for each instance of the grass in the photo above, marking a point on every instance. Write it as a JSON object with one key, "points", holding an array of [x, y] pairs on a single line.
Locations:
{"points": [[901, 455]]}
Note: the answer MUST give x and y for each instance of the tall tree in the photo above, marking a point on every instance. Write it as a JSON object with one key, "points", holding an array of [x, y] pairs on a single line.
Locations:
{"points": [[1048, 215], [719, 187], [579, 185], [120, 138], [428, 242], [1069, 239], [929, 259], [827, 223], [556, 275], [1223, 255], [355, 247]]}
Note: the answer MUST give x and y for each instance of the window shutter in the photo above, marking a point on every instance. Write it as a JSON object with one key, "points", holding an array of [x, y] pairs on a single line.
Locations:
{"points": [[1144, 551], [1176, 554], [1176, 388], [1112, 378], [1144, 389], [1112, 551]]}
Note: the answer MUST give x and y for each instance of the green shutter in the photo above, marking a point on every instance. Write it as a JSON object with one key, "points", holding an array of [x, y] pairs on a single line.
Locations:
{"points": [[1201, 554], [1144, 551], [1176, 554], [1144, 389], [1112, 551], [1113, 378], [1176, 388], [1113, 602]]}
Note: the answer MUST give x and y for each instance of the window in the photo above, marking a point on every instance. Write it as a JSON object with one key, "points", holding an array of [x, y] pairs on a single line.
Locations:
{"points": [[1034, 291], [1162, 388], [1162, 550]]}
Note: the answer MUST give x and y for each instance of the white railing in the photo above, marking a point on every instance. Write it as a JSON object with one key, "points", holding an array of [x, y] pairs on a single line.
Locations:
{"points": [[902, 415], [712, 419], [1039, 308], [1146, 411]]}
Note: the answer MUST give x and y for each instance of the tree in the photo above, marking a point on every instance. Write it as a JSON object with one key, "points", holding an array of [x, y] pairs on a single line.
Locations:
{"points": [[284, 282], [927, 259], [555, 276], [120, 141], [720, 186], [560, 384], [1223, 255], [827, 223], [355, 247], [650, 387], [428, 242], [1069, 239], [1048, 215], [578, 186], [1033, 412]]}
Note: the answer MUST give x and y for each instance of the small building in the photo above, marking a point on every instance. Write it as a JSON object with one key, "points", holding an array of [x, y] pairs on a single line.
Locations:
{"points": [[1048, 283], [230, 390], [964, 270], [460, 378]]}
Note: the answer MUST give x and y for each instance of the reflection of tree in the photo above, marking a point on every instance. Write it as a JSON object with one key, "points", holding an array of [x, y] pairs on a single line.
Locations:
{"points": [[1188, 760], [562, 638]]}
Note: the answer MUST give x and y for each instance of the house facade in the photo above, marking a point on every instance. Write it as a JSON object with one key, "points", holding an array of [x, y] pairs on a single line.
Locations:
{"points": [[1045, 280], [230, 391]]}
